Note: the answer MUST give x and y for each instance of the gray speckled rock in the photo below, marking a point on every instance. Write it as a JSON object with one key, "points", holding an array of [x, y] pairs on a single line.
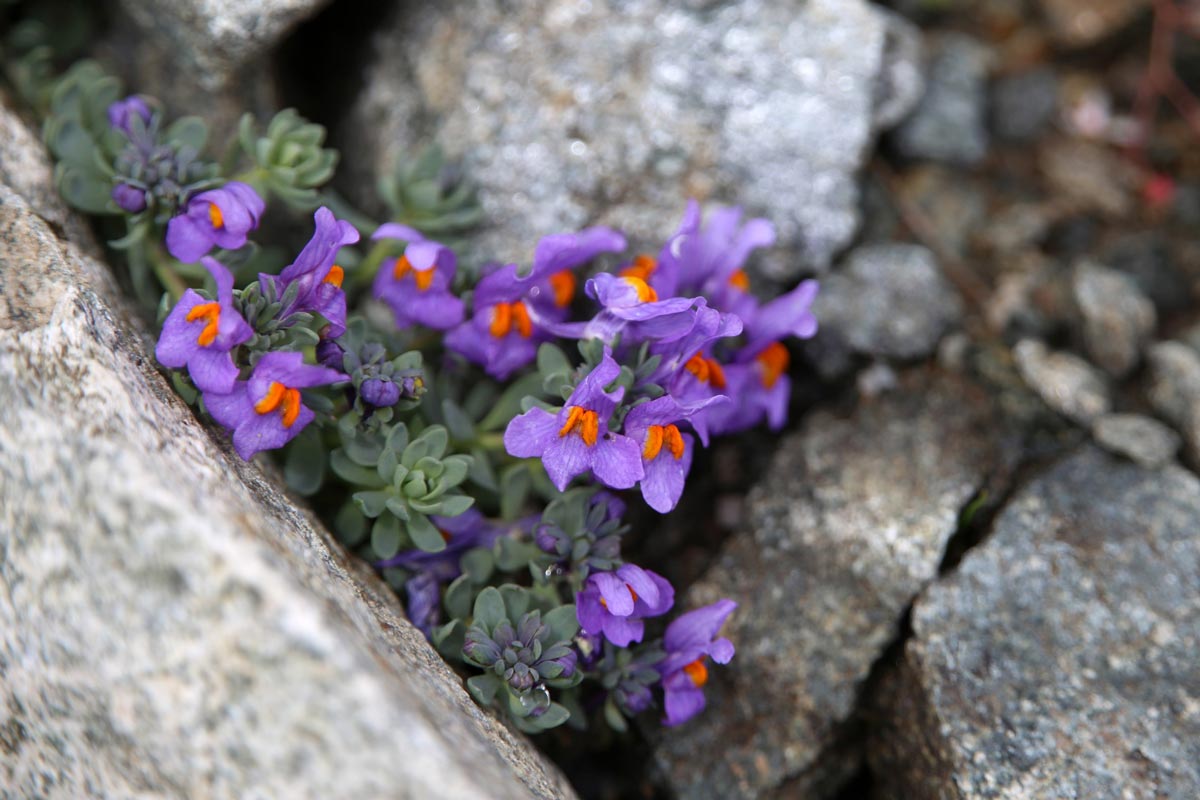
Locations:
{"points": [[1059, 660], [849, 523], [949, 124], [171, 625], [1142, 439], [215, 39], [887, 300], [1024, 104], [615, 111], [1118, 319], [1067, 383], [1175, 390]]}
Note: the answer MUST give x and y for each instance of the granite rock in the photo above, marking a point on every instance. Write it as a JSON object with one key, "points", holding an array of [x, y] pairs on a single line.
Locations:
{"points": [[1144, 440], [1059, 658], [949, 124], [1175, 390], [171, 624], [887, 300], [850, 521], [1067, 383], [1023, 105], [1117, 319], [615, 112]]}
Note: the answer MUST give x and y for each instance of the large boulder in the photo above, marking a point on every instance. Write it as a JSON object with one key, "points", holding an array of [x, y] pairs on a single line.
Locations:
{"points": [[851, 521], [615, 112], [1059, 660], [171, 624]]}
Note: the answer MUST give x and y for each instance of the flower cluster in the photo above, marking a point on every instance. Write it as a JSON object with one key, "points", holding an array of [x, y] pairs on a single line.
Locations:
{"points": [[476, 433]]}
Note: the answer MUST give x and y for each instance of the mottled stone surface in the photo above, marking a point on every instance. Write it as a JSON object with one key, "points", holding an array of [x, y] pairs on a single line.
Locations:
{"points": [[850, 521], [1023, 105], [950, 122], [1059, 660], [1118, 319], [616, 111], [171, 625], [1174, 390], [1067, 383], [1142, 439], [887, 300]]}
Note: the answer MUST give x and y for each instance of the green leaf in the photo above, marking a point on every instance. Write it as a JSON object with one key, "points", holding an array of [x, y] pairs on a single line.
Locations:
{"points": [[509, 404], [372, 504], [424, 533], [515, 483], [457, 422], [352, 473], [478, 564], [614, 718], [552, 717], [459, 595], [385, 536], [483, 688], [562, 622], [516, 601], [481, 472], [304, 465], [454, 505], [350, 524], [489, 609], [450, 638], [189, 131]]}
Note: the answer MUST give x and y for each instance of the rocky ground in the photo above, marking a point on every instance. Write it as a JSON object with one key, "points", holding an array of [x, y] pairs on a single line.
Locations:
{"points": [[971, 566]]}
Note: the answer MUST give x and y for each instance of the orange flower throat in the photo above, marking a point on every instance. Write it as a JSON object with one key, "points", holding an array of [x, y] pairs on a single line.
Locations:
{"points": [[706, 370], [773, 361], [642, 268], [584, 422], [697, 672], [210, 313], [507, 317], [658, 436], [423, 278], [215, 216], [283, 399], [563, 285]]}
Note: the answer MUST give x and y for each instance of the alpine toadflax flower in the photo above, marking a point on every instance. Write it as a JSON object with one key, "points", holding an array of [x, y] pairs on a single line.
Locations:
{"points": [[689, 641], [577, 438], [615, 603], [199, 334], [266, 411], [417, 285], [221, 217], [666, 450], [315, 274]]}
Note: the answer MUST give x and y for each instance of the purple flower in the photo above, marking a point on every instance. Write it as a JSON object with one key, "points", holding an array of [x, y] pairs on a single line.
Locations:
{"points": [[317, 278], [709, 259], [688, 641], [787, 315], [122, 111], [615, 603], [577, 438], [221, 217], [266, 411], [129, 198], [417, 284], [513, 312], [632, 307], [666, 451], [199, 334]]}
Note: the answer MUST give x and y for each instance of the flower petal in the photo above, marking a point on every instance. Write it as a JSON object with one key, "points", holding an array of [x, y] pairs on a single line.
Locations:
{"points": [[212, 370], [695, 629], [616, 461], [187, 239], [682, 704], [531, 434]]}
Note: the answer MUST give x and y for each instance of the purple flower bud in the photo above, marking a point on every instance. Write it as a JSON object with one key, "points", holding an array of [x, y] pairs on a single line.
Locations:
{"points": [[129, 198], [121, 112], [330, 354], [381, 394]]}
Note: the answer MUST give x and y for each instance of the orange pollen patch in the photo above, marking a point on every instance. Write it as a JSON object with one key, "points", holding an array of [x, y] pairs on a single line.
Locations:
{"points": [[283, 399], [445, 535], [423, 278], [210, 313], [706, 370], [774, 360], [740, 280], [507, 317], [697, 672], [658, 436], [215, 216], [563, 285], [584, 422], [642, 268], [645, 291], [336, 276]]}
